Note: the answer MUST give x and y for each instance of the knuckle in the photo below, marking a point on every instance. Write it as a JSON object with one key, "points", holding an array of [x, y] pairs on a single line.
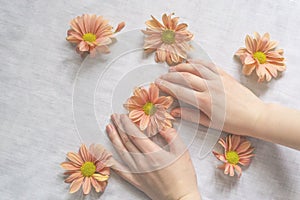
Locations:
{"points": [[124, 138]]}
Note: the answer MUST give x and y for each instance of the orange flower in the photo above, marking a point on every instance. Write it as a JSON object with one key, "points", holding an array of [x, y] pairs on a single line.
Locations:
{"points": [[149, 110], [88, 168], [260, 54], [91, 33], [169, 40], [237, 150]]}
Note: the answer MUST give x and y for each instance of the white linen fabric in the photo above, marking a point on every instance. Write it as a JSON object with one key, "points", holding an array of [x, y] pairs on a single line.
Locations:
{"points": [[39, 68]]}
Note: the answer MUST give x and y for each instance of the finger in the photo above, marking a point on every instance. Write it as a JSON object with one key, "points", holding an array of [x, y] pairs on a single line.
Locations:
{"points": [[207, 64], [123, 135], [194, 68], [182, 93], [120, 148], [186, 79], [125, 173], [192, 115], [174, 141], [142, 142]]}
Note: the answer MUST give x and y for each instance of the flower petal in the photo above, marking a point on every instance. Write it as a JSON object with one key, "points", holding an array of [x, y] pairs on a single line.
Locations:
{"points": [[153, 93], [223, 144], [105, 171], [144, 122], [244, 162], [154, 23], [96, 185], [73, 176], [249, 44], [271, 69], [165, 20], [243, 147], [235, 141], [248, 69], [86, 187], [136, 115], [75, 158], [220, 156], [181, 27], [249, 60], [238, 170], [69, 166], [229, 142], [165, 101], [83, 152], [102, 185], [226, 170], [83, 46], [75, 185], [261, 72], [231, 170], [100, 177], [120, 27]]}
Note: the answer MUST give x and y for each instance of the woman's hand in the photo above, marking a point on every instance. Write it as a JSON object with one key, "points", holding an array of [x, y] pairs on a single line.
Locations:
{"points": [[161, 173], [220, 100]]}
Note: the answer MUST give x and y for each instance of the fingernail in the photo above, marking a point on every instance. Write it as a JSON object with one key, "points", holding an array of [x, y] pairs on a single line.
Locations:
{"points": [[175, 113], [172, 69], [108, 128], [113, 116]]}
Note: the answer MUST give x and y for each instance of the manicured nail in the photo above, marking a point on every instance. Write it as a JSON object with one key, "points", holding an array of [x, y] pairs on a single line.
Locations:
{"points": [[175, 113], [172, 69], [109, 128]]}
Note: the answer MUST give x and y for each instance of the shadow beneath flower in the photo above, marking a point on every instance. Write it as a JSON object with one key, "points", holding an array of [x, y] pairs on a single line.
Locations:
{"points": [[228, 182], [80, 196], [76, 196]]}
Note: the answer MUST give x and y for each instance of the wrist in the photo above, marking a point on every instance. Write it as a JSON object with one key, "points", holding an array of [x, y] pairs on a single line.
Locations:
{"points": [[195, 195], [261, 119]]}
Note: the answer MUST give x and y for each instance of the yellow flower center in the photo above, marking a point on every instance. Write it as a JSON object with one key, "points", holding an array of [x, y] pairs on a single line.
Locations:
{"points": [[89, 37], [260, 56], [88, 169], [168, 37], [149, 108], [232, 157]]}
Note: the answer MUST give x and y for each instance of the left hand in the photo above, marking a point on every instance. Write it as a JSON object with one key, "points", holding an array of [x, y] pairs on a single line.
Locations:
{"points": [[159, 173]]}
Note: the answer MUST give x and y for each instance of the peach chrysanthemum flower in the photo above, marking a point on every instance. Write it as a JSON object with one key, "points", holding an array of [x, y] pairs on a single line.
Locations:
{"points": [[88, 168], [260, 54], [170, 40], [91, 33], [237, 150], [149, 110]]}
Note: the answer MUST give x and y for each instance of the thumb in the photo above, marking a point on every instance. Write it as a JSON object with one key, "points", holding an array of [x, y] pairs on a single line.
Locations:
{"points": [[192, 115], [174, 141]]}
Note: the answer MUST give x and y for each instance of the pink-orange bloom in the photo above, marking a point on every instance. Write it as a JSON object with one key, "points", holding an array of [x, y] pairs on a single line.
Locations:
{"points": [[91, 33], [149, 110], [260, 54], [87, 168], [237, 150], [170, 40]]}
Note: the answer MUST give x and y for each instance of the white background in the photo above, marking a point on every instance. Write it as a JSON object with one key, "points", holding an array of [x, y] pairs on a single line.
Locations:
{"points": [[38, 69]]}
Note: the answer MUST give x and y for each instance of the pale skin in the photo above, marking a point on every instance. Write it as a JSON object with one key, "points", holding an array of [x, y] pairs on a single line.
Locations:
{"points": [[195, 83]]}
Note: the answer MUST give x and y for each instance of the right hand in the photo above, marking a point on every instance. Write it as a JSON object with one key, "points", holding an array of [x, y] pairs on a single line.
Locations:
{"points": [[214, 94], [161, 173]]}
